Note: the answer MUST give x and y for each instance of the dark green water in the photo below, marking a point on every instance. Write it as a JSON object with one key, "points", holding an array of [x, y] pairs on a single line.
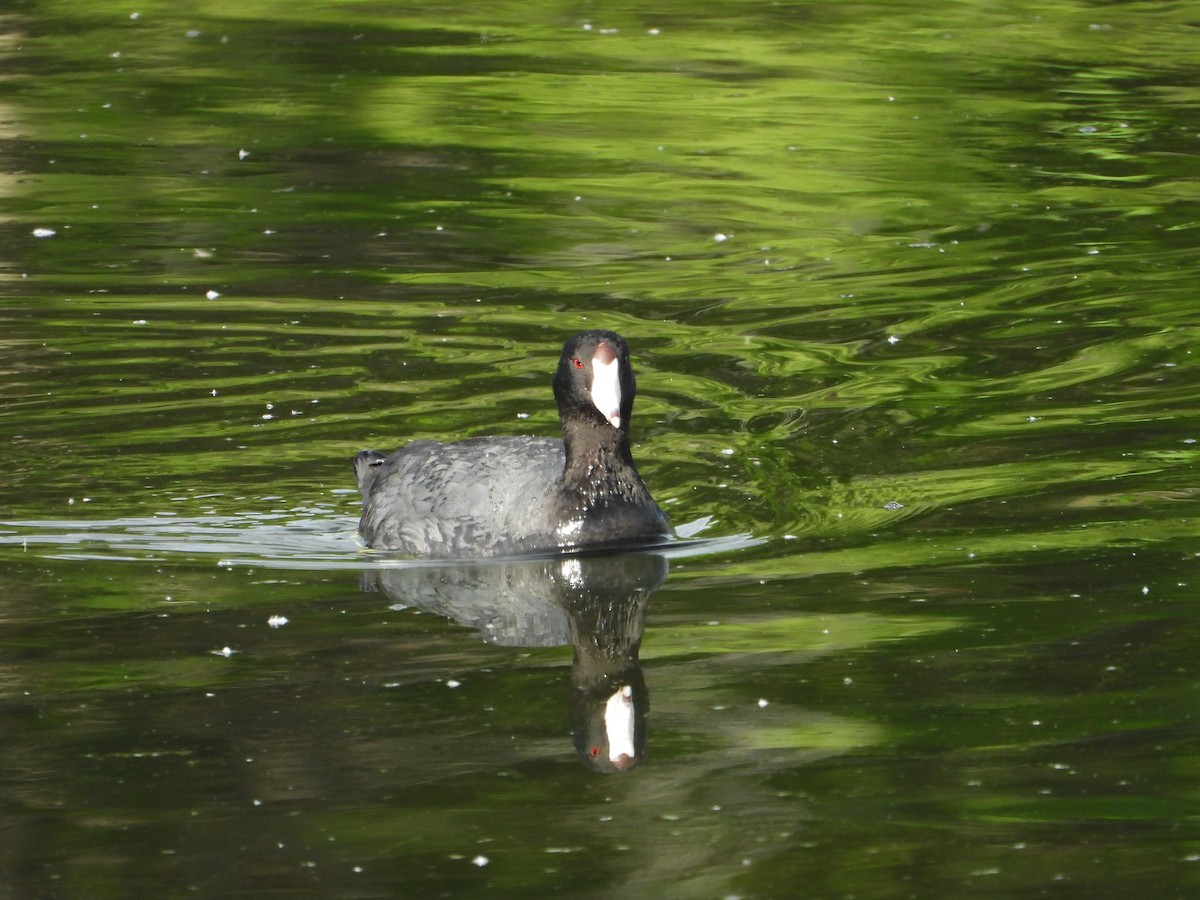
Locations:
{"points": [[911, 296]]}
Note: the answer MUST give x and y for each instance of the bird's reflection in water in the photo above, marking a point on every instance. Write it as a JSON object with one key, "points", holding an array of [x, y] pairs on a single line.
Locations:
{"points": [[597, 604]]}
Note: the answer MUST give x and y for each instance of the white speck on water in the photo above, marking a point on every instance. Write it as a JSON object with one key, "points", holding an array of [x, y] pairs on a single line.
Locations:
{"points": [[720, 237], [44, 232], [212, 295], [728, 451], [480, 860], [277, 621], [762, 702], [522, 415], [242, 154], [224, 651], [892, 339], [893, 505], [847, 680], [453, 683], [139, 321], [1145, 590]]}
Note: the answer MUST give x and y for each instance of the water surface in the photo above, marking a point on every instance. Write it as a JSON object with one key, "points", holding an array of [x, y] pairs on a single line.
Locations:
{"points": [[910, 294]]}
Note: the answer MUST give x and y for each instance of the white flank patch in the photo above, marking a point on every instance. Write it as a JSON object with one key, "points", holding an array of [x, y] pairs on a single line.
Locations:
{"points": [[606, 390]]}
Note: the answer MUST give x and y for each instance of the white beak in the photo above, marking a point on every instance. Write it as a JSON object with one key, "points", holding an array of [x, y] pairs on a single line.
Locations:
{"points": [[606, 387]]}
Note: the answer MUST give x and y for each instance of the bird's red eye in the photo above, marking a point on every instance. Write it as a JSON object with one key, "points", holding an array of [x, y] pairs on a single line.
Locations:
{"points": [[595, 751], [578, 362]]}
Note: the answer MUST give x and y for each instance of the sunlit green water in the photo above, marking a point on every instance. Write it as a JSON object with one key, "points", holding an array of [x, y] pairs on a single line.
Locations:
{"points": [[911, 298]]}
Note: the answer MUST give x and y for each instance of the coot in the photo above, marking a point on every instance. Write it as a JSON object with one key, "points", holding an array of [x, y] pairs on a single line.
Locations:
{"points": [[518, 496]]}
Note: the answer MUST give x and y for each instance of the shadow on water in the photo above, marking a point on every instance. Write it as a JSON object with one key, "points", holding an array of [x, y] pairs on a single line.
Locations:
{"points": [[595, 603]]}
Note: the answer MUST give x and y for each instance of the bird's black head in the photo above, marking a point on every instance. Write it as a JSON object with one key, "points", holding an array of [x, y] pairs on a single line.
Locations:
{"points": [[594, 383]]}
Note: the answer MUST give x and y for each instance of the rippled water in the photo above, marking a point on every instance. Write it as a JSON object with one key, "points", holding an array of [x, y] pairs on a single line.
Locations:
{"points": [[910, 297]]}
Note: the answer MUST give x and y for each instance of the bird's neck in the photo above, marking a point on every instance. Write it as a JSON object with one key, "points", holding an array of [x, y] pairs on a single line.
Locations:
{"points": [[599, 468]]}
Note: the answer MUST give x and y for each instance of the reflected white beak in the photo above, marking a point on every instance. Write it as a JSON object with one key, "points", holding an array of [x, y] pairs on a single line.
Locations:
{"points": [[618, 722], [606, 384]]}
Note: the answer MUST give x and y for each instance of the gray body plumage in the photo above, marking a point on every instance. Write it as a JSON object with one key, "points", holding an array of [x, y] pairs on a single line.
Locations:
{"points": [[480, 497]]}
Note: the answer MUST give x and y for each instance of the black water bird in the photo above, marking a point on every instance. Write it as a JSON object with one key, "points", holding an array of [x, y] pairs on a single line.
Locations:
{"points": [[520, 496]]}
